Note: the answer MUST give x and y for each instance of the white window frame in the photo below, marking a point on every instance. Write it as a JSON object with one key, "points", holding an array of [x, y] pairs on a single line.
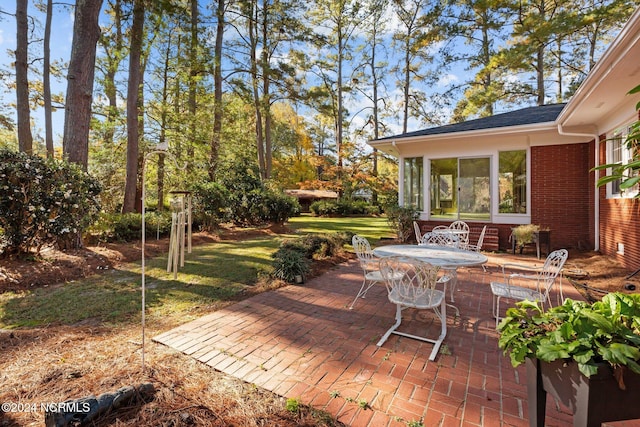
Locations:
{"points": [[618, 153]]}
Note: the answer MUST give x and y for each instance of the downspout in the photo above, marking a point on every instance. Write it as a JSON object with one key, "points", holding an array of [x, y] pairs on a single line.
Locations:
{"points": [[596, 139], [400, 174]]}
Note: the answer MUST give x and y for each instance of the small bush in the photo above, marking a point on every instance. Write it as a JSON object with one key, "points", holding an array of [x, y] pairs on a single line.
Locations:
{"points": [[128, 227], [324, 208], [343, 207], [401, 221], [295, 255], [289, 263]]}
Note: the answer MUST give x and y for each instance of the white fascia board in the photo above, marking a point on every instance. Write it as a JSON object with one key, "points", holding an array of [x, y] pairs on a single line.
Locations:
{"points": [[617, 64], [394, 146]]}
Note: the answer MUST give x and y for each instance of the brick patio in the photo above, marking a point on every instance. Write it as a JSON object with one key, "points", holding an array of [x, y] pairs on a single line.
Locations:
{"points": [[303, 342]]}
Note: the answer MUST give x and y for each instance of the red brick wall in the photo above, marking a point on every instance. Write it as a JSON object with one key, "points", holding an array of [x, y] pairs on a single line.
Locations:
{"points": [[619, 224], [562, 194]]}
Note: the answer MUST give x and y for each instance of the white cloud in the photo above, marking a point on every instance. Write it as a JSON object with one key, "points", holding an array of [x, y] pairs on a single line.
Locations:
{"points": [[447, 79]]}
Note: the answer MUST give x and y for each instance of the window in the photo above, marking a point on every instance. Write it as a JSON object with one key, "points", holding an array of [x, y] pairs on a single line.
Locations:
{"points": [[512, 182], [460, 188], [618, 153], [413, 182]]}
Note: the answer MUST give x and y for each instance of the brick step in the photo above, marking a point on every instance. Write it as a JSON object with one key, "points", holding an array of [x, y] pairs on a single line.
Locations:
{"points": [[491, 240]]}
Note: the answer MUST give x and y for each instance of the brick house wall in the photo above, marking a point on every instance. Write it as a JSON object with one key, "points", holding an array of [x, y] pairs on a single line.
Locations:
{"points": [[562, 194], [562, 199], [619, 225]]}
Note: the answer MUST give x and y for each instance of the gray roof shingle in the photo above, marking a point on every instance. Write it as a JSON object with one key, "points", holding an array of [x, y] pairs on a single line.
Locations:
{"points": [[525, 116]]}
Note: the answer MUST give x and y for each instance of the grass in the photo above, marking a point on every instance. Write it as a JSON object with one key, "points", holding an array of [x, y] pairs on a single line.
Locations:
{"points": [[213, 275], [83, 337], [373, 228]]}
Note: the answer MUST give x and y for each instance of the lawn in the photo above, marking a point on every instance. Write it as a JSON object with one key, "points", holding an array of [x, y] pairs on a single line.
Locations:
{"points": [[83, 337], [213, 274]]}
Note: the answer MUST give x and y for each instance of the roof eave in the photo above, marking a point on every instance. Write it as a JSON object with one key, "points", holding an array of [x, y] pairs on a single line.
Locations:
{"points": [[390, 145]]}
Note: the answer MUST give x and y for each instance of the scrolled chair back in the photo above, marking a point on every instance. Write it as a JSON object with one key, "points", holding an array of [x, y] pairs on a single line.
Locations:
{"points": [[408, 279], [440, 238]]}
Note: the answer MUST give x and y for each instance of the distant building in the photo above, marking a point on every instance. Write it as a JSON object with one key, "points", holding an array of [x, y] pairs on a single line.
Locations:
{"points": [[307, 197]]}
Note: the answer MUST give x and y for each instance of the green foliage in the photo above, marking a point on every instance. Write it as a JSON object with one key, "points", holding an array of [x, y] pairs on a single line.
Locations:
{"points": [[293, 405], [343, 207], [626, 173], [44, 201], [294, 256], [127, 227], [289, 263], [401, 221], [606, 331], [210, 203]]}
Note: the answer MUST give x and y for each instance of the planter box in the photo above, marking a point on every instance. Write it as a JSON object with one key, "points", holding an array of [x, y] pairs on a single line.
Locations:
{"points": [[540, 238], [592, 401]]}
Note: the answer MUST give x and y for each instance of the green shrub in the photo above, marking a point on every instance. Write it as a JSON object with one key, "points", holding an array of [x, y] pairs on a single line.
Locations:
{"points": [[324, 208], [44, 201], [295, 255], [401, 221], [128, 227], [343, 207], [210, 204], [280, 207], [289, 263]]}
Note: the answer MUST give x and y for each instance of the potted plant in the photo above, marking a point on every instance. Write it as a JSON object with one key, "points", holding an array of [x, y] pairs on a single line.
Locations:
{"points": [[585, 355]]}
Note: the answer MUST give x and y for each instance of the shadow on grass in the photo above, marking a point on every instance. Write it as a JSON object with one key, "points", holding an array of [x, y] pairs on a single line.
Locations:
{"points": [[211, 274]]}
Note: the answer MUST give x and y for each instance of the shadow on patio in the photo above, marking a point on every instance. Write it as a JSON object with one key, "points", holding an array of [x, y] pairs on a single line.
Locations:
{"points": [[303, 342]]}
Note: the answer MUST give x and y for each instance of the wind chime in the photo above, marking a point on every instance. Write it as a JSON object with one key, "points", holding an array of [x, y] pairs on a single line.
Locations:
{"points": [[181, 230]]}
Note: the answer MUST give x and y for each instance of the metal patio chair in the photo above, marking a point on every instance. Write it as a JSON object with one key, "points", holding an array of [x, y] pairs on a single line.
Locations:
{"points": [[542, 278], [369, 264], [462, 231], [411, 283]]}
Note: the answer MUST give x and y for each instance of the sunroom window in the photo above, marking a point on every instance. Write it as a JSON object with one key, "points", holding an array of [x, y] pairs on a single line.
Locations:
{"points": [[512, 182], [618, 153], [413, 182]]}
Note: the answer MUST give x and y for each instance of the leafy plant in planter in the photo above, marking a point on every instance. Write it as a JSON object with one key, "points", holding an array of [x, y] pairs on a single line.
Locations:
{"points": [[585, 355], [606, 331]]}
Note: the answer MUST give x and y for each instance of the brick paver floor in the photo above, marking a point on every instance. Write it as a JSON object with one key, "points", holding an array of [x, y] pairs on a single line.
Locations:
{"points": [[303, 342]]}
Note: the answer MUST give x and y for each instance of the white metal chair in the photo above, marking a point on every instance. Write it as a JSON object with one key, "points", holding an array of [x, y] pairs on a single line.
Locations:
{"points": [[543, 278], [444, 238], [477, 247], [417, 231], [439, 238], [368, 263], [462, 231], [411, 284]]}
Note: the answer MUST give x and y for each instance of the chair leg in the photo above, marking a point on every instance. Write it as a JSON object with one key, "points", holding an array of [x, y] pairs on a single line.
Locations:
{"points": [[394, 327], [443, 331], [453, 283], [496, 309], [362, 292]]}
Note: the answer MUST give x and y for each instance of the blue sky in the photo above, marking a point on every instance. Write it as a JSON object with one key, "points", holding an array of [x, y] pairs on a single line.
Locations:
{"points": [[62, 34]]}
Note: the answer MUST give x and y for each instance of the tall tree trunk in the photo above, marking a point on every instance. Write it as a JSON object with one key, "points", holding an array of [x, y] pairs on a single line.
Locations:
{"points": [[217, 79], [25, 139], [46, 81], [113, 52], [540, 75], [133, 91], [257, 105], [266, 93], [194, 71], [77, 117]]}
